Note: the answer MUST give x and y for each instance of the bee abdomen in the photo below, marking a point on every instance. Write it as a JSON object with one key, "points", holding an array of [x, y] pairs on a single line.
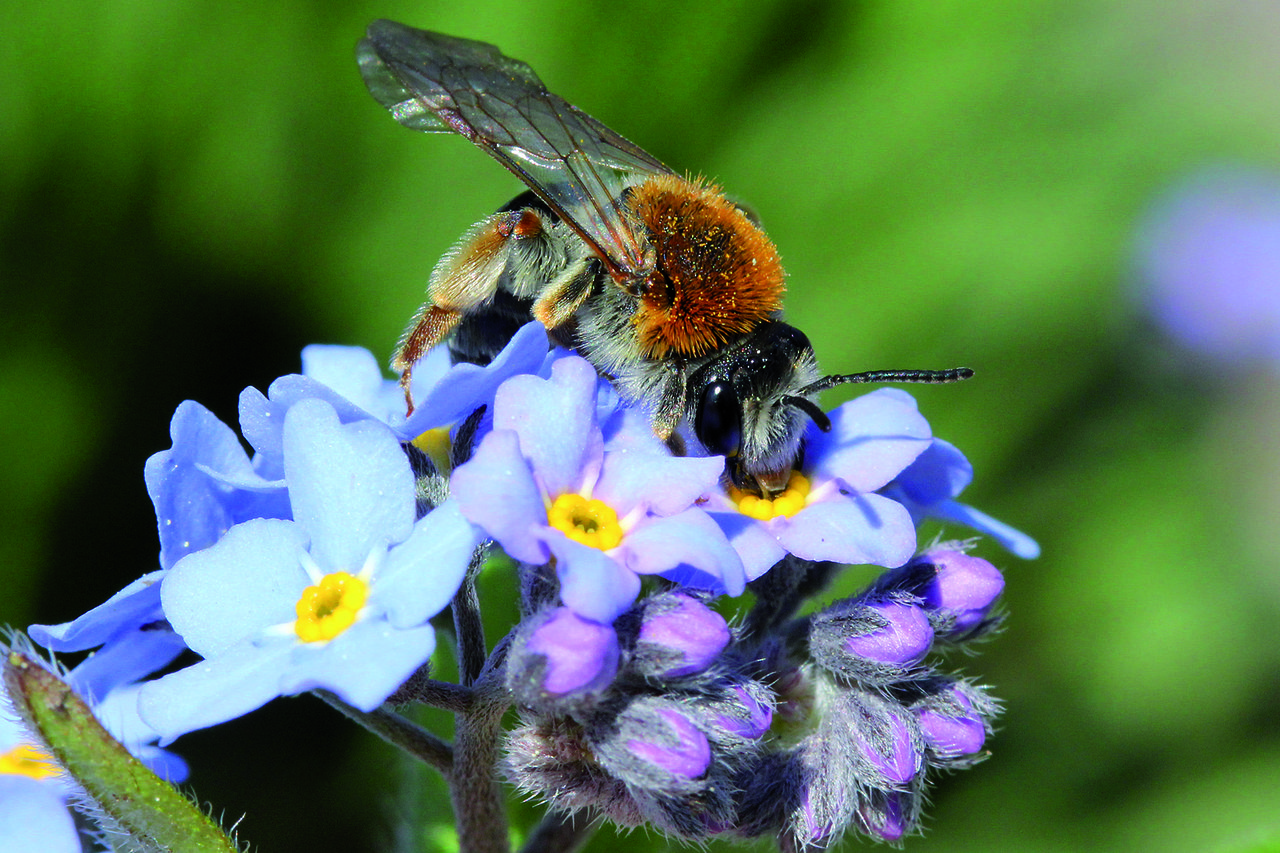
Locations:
{"points": [[717, 275]]}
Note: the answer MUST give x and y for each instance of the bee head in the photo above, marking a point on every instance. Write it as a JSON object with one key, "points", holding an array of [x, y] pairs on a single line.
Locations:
{"points": [[749, 404]]}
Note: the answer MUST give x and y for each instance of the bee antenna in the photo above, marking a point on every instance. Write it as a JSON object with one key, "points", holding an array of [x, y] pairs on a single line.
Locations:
{"points": [[929, 377], [811, 409]]}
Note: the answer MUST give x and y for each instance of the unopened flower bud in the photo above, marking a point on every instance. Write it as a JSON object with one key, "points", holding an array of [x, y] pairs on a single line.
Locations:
{"points": [[679, 635], [750, 716], [961, 590], [652, 745], [885, 739], [871, 641], [886, 815], [562, 654], [953, 719]]}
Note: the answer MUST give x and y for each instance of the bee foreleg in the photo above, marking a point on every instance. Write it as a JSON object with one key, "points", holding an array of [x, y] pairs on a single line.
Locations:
{"points": [[671, 397], [561, 299], [465, 278]]}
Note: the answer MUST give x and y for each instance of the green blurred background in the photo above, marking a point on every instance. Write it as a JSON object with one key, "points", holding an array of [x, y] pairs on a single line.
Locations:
{"points": [[191, 191]]}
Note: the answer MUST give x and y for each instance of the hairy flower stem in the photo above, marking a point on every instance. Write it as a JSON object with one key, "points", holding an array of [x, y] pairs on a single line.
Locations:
{"points": [[478, 802], [467, 622], [398, 731]]}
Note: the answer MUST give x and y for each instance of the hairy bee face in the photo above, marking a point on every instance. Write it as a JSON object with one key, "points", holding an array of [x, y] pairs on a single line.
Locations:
{"points": [[667, 287]]}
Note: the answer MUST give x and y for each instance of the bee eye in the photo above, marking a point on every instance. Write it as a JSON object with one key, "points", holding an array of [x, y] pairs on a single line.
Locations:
{"points": [[718, 423]]}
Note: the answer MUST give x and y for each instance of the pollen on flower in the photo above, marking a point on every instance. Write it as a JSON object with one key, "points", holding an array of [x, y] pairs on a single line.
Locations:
{"points": [[791, 500], [330, 607], [586, 521], [28, 760]]}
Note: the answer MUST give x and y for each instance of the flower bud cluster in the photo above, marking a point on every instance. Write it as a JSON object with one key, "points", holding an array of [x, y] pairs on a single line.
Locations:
{"points": [[880, 717], [647, 721]]}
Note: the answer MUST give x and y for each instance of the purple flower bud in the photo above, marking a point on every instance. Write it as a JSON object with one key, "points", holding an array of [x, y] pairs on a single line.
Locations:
{"points": [[754, 720], [885, 740], [678, 747], [963, 587], [903, 640], [952, 735], [685, 634], [884, 816], [579, 654]]}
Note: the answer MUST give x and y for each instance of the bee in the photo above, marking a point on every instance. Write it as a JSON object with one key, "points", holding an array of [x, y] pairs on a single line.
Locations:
{"points": [[665, 285]]}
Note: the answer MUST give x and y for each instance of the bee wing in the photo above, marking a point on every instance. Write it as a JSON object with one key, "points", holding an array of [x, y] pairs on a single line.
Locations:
{"points": [[440, 84]]}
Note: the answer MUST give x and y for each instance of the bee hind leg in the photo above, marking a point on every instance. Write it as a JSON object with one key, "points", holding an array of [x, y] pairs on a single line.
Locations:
{"points": [[466, 278]]}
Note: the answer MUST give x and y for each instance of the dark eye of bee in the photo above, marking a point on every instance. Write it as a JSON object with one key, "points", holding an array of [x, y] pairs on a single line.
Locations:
{"points": [[718, 424]]}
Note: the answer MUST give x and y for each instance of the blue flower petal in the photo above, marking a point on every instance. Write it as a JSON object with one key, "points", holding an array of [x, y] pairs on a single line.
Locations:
{"points": [[663, 483], [468, 386], [137, 603], [34, 817], [421, 574], [125, 659], [363, 665], [191, 485], [241, 679], [1015, 541], [690, 539], [941, 472], [352, 372], [872, 439], [850, 528], [593, 584], [350, 485], [755, 543], [251, 579], [556, 422], [496, 490]]}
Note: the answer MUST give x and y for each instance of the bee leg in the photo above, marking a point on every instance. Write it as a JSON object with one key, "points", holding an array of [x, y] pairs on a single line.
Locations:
{"points": [[466, 277], [564, 296], [671, 401]]}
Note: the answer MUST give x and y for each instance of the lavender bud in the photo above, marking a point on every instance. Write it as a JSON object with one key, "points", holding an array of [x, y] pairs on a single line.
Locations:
{"points": [[961, 590], [884, 736], [751, 715], [953, 722], [557, 653], [874, 642], [652, 745], [887, 814], [679, 635]]}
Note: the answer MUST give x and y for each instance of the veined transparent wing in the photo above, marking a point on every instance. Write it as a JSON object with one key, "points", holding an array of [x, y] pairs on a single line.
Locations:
{"points": [[441, 84]]}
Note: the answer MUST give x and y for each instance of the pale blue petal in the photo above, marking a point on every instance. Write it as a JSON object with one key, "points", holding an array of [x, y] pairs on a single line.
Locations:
{"points": [[422, 573], [941, 472], [137, 603], [556, 422], [754, 542], [251, 579], [33, 817], [351, 485], [872, 439], [592, 584], [1015, 541], [690, 538], [468, 386], [352, 372], [659, 482], [496, 490], [850, 529], [363, 665], [242, 679]]}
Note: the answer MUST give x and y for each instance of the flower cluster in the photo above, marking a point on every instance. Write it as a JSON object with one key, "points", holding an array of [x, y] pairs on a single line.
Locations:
{"points": [[317, 561]]}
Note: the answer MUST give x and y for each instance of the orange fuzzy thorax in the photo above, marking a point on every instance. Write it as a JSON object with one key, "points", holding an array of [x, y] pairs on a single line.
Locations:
{"points": [[717, 275]]}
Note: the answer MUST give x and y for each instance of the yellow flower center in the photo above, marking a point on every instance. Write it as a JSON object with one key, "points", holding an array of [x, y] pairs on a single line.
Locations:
{"points": [[26, 759], [590, 522], [435, 443], [330, 607], [787, 503]]}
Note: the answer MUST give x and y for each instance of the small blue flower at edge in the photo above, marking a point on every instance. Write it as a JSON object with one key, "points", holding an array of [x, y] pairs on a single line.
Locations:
{"points": [[351, 490]]}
